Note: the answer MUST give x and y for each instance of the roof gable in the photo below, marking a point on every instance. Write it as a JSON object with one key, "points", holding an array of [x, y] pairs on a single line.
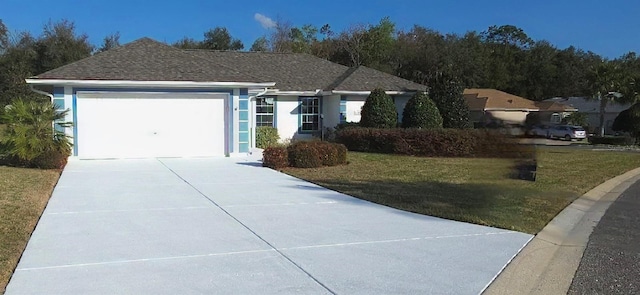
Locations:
{"points": [[362, 78], [499, 100]]}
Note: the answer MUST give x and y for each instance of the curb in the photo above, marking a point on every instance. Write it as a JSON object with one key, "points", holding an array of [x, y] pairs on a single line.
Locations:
{"points": [[548, 263]]}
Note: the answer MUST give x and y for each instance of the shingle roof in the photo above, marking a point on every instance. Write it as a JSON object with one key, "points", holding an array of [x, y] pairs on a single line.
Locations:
{"points": [[148, 60], [290, 71], [366, 79], [552, 106], [496, 99]]}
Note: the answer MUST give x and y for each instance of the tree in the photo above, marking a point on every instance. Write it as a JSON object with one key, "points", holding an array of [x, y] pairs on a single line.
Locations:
{"points": [[110, 42], [379, 111], [628, 121], [217, 38], [447, 94], [577, 119], [611, 82], [261, 44], [421, 112], [59, 45], [220, 39]]}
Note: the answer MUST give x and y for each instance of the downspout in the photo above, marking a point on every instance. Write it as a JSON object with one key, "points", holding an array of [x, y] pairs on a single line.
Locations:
{"points": [[253, 133], [41, 92]]}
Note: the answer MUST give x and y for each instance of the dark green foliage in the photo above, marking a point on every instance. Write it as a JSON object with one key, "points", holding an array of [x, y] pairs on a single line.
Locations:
{"points": [[275, 157], [629, 121], [217, 38], [421, 112], [434, 142], [266, 137], [379, 111], [446, 92], [30, 139]]}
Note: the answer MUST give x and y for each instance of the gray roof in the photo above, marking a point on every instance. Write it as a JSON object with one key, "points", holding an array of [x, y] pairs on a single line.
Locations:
{"points": [[149, 60]]}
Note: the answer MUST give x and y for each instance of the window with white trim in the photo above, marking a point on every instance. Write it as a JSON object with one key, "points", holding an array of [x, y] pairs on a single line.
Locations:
{"points": [[310, 113], [264, 111], [556, 118]]}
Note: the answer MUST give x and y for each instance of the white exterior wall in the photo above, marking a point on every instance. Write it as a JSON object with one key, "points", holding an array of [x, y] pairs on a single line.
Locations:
{"points": [[286, 116], [331, 110], [354, 107]]}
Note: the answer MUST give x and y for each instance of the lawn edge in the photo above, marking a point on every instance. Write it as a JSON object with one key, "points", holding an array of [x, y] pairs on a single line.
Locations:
{"points": [[548, 262], [3, 288]]}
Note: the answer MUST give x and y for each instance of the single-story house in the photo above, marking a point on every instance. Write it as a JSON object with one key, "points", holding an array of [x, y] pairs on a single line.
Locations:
{"points": [[148, 99], [591, 107], [491, 105]]}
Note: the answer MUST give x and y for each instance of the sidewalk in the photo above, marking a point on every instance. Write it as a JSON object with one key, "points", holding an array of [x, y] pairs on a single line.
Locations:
{"points": [[611, 262]]}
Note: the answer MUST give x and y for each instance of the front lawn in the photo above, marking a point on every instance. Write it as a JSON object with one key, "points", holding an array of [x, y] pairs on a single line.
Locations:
{"points": [[474, 190], [23, 195]]}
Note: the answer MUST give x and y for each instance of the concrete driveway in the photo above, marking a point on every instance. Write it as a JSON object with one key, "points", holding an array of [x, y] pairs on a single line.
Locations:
{"points": [[228, 226]]}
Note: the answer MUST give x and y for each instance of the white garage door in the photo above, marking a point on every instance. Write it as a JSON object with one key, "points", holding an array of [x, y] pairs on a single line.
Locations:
{"points": [[138, 125]]}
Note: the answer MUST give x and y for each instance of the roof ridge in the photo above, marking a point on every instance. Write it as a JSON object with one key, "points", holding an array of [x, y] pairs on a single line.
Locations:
{"points": [[219, 63]]}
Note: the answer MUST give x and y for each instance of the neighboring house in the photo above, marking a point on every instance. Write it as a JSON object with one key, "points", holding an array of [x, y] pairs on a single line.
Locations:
{"points": [[488, 106], [591, 107], [148, 99]]}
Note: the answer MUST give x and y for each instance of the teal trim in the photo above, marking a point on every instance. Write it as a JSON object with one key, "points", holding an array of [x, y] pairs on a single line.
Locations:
{"points": [[275, 112], [244, 104], [243, 115], [74, 103], [244, 126], [244, 147], [58, 92], [244, 137], [58, 103], [244, 91]]}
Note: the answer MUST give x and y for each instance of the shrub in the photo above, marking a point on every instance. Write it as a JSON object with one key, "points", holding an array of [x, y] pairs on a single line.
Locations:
{"points": [[421, 112], [446, 91], [275, 157], [612, 140], [434, 142], [379, 111], [304, 154], [30, 139], [266, 137]]}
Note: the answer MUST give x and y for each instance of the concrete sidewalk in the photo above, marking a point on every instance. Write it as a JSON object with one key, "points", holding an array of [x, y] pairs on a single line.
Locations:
{"points": [[228, 226]]}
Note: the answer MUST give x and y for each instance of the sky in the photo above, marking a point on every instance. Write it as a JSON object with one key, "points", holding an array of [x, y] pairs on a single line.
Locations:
{"points": [[609, 28]]}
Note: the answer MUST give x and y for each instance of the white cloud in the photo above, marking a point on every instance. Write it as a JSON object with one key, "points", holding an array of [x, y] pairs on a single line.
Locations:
{"points": [[264, 21]]}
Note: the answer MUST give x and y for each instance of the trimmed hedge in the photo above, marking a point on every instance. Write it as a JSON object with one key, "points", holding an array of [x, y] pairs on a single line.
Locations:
{"points": [[275, 157], [612, 140], [434, 142], [305, 154]]}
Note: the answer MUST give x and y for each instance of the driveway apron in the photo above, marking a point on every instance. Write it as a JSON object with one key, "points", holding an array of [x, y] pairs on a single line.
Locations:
{"points": [[229, 226]]}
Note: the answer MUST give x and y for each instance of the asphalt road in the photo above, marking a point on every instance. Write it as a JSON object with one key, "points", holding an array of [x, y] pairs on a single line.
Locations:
{"points": [[611, 261]]}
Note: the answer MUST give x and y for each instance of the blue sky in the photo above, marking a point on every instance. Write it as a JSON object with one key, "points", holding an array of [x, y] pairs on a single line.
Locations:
{"points": [[610, 28]]}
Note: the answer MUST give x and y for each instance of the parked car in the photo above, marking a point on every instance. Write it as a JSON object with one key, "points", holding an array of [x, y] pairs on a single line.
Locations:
{"points": [[567, 132], [538, 131]]}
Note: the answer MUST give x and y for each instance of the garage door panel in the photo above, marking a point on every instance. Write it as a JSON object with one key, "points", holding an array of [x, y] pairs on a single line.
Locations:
{"points": [[111, 127]]}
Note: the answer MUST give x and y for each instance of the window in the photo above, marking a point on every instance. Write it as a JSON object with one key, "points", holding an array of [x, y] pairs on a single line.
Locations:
{"points": [[556, 118], [264, 111], [310, 113]]}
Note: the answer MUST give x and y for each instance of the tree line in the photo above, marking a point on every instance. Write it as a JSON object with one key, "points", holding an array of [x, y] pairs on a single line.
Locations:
{"points": [[501, 57]]}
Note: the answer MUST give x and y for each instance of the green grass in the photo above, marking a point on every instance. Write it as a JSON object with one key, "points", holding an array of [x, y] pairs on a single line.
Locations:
{"points": [[474, 190]]}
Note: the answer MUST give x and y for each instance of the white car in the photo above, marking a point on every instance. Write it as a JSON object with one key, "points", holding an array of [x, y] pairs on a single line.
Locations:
{"points": [[567, 132]]}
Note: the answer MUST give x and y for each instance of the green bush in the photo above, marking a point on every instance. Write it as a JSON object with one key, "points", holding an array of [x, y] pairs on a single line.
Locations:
{"points": [[275, 157], [379, 111], [30, 139], [434, 142], [612, 140], [446, 91], [421, 112], [266, 137]]}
